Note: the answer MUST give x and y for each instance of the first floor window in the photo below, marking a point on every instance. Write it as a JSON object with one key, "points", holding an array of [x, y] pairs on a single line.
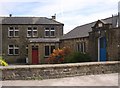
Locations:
{"points": [[13, 49], [47, 32], [49, 49], [32, 32], [13, 32]]}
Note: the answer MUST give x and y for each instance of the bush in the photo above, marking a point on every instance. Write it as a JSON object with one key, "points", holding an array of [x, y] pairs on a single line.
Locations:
{"points": [[2, 62], [77, 57], [58, 56]]}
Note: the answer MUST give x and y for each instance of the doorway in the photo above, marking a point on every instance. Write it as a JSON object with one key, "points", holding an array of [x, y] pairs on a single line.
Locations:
{"points": [[102, 48]]}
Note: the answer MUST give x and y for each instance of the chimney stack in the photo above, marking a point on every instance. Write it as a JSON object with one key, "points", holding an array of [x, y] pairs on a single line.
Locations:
{"points": [[54, 17]]}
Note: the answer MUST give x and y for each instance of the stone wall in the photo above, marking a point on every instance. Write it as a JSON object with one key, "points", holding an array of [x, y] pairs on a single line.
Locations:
{"points": [[38, 72], [72, 43]]}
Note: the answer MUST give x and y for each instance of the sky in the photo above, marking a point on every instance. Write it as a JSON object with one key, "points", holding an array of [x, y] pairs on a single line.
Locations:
{"points": [[72, 13]]}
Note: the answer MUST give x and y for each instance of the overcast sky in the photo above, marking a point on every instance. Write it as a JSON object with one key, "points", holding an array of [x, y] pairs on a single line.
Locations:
{"points": [[70, 12]]}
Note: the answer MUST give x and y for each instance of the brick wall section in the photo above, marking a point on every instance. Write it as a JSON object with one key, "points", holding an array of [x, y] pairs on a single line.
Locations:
{"points": [[32, 72]]}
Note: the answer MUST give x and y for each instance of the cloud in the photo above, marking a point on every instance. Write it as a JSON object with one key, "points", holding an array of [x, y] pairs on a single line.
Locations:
{"points": [[70, 12]]}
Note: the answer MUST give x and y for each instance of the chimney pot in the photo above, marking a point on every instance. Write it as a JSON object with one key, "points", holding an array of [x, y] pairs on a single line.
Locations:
{"points": [[10, 15]]}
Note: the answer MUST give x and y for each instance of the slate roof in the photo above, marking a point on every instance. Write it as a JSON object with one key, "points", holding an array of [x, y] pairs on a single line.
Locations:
{"points": [[83, 30], [44, 40], [28, 20]]}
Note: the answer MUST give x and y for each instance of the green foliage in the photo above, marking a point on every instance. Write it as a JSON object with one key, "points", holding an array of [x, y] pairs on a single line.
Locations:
{"points": [[77, 57], [2, 62]]}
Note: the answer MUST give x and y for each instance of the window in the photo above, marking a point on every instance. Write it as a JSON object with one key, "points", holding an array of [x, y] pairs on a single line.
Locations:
{"points": [[52, 32], [32, 32], [100, 25], [13, 50], [16, 50], [49, 50], [16, 32], [81, 47], [29, 32], [13, 32], [49, 32], [52, 48]]}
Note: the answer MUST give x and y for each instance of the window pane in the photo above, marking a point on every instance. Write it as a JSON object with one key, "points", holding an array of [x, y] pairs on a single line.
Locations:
{"points": [[47, 33], [11, 52], [52, 29], [10, 46], [11, 33], [81, 47], [34, 33], [46, 50], [52, 48], [52, 33], [11, 28], [29, 34], [16, 51], [16, 33]]}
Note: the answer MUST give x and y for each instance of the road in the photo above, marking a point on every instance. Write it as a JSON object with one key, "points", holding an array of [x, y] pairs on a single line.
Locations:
{"points": [[89, 80]]}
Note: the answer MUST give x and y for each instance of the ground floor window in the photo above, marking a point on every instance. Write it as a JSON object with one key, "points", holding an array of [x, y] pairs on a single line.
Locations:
{"points": [[49, 49], [81, 47], [13, 50]]}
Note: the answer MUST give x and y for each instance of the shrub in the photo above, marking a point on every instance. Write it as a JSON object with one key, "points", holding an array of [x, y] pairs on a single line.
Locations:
{"points": [[58, 55], [77, 57], [2, 62]]}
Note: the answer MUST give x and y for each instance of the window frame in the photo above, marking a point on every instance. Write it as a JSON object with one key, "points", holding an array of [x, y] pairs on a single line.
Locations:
{"points": [[50, 51], [32, 30], [13, 30], [14, 48]]}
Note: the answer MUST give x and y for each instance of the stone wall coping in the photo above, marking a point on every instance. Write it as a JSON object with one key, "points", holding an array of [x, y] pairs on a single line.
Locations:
{"points": [[57, 65]]}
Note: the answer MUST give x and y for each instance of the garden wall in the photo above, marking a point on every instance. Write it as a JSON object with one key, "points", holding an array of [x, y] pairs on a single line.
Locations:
{"points": [[34, 72]]}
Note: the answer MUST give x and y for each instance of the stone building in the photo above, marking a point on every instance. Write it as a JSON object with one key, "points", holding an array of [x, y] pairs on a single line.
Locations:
{"points": [[28, 37], [32, 39], [100, 39]]}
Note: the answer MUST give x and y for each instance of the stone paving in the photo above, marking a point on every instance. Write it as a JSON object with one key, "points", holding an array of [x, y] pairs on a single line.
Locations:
{"points": [[89, 80]]}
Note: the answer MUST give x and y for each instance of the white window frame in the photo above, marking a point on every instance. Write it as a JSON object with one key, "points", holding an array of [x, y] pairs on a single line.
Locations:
{"points": [[9, 30], [49, 48], [47, 30], [9, 50], [16, 30], [52, 30], [14, 48], [34, 30]]}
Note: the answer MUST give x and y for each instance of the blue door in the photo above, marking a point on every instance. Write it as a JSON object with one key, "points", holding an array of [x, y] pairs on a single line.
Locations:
{"points": [[103, 49]]}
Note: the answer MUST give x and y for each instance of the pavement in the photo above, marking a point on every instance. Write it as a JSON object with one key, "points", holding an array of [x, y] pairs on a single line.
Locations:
{"points": [[89, 80]]}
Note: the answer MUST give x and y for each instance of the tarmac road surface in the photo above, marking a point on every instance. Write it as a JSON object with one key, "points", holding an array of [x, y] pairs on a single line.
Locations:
{"points": [[89, 80]]}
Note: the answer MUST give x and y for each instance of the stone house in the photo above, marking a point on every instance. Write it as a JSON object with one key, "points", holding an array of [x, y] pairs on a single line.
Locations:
{"points": [[28, 37]]}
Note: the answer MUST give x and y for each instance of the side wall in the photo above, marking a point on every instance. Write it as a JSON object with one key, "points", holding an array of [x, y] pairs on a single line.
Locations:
{"points": [[72, 43], [38, 72]]}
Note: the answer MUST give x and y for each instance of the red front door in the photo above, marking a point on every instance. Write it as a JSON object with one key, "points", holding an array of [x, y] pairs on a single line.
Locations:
{"points": [[35, 55]]}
